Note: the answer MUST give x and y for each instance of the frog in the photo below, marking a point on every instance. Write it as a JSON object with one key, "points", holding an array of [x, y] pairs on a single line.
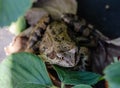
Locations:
{"points": [[57, 47], [55, 44]]}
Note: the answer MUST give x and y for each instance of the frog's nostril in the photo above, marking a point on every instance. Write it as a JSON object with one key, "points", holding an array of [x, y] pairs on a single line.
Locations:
{"points": [[65, 47], [62, 58]]}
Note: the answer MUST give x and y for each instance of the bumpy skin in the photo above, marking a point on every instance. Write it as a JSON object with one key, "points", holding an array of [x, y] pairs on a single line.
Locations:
{"points": [[54, 44], [37, 33], [84, 33], [68, 43], [58, 46]]}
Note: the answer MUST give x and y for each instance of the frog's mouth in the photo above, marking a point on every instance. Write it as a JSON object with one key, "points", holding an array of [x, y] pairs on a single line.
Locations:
{"points": [[68, 59]]}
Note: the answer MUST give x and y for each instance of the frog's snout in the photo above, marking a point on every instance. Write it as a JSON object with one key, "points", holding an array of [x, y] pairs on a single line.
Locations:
{"points": [[69, 58]]}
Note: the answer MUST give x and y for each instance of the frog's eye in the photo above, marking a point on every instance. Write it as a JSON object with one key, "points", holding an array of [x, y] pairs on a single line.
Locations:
{"points": [[65, 48]]}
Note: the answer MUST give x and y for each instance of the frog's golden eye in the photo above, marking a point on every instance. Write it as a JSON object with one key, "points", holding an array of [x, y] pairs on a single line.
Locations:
{"points": [[66, 48]]}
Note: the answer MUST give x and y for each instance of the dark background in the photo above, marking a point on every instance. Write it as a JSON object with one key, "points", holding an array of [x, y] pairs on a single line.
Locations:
{"points": [[106, 20]]}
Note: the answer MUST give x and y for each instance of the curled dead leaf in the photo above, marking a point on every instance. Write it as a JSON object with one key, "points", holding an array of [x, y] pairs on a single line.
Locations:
{"points": [[34, 15], [19, 43], [57, 7], [114, 41], [103, 56]]}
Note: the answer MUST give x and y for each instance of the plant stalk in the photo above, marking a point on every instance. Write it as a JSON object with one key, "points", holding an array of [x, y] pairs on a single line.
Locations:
{"points": [[62, 85]]}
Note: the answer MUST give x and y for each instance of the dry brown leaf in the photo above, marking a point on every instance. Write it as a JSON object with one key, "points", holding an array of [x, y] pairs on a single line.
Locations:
{"points": [[34, 15], [114, 41], [19, 43], [103, 56], [57, 7]]}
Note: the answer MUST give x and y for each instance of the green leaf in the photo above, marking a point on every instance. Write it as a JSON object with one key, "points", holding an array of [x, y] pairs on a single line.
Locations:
{"points": [[82, 86], [112, 75], [76, 77], [23, 68], [18, 26], [29, 85], [10, 10]]}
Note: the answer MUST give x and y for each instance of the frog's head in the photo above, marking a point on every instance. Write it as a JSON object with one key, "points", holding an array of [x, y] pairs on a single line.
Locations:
{"points": [[69, 58]]}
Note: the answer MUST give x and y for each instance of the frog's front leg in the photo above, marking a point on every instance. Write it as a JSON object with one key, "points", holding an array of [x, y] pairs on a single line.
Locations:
{"points": [[84, 59], [86, 34], [86, 41], [78, 24], [37, 33]]}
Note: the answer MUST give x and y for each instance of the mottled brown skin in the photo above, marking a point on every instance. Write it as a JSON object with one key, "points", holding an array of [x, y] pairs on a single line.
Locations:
{"points": [[58, 46], [37, 32], [54, 45]]}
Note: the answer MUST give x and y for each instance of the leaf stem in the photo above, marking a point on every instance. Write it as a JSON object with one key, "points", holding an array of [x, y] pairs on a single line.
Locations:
{"points": [[62, 85], [102, 78], [53, 87]]}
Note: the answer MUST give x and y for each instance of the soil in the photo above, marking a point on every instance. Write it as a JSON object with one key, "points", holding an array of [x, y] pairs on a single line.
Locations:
{"points": [[5, 39]]}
